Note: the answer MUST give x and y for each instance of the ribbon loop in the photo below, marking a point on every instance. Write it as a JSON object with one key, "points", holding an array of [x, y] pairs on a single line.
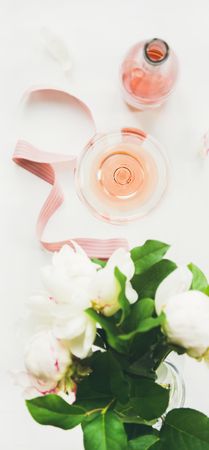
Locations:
{"points": [[43, 165]]}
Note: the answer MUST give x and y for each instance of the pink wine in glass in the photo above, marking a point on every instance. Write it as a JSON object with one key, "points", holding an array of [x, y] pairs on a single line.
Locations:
{"points": [[148, 74], [121, 176]]}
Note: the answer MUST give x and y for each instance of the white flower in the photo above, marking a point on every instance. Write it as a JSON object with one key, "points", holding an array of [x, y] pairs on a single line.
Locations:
{"points": [[177, 282], [105, 286], [69, 276], [66, 323], [187, 313], [32, 386], [68, 281], [46, 361], [75, 283]]}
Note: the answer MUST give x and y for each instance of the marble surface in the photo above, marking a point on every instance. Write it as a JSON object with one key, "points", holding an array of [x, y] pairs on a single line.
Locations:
{"points": [[97, 34]]}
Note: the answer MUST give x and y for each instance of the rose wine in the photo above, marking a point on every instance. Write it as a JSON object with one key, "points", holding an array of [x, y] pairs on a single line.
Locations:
{"points": [[148, 74], [124, 176], [121, 176]]}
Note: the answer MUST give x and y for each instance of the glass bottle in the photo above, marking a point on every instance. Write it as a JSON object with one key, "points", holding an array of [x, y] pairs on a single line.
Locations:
{"points": [[148, 74]]}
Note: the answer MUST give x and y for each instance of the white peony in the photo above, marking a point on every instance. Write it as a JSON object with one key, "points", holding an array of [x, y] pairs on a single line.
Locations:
{"points": [[68, 280], [74, 283], [66, 323], [46, 361], [105, 286], [69, 276], [32, 386], [187, 313]]}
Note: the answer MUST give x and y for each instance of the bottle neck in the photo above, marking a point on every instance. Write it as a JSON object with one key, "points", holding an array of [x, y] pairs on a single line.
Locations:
{"points": [[156, 52]]}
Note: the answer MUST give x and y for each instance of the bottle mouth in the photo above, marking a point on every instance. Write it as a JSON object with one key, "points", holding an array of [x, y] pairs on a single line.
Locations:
{"points": [[156, 51]]}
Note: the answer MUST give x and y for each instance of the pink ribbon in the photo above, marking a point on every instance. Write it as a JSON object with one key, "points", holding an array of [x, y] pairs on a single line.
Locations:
{"points": [[43, 165]]}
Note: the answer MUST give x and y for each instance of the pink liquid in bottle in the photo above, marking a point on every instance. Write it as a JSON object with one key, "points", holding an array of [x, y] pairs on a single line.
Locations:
{"points": [[148, 74]]}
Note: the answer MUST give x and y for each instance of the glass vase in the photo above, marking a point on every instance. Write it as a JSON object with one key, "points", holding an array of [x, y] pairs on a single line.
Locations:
{"points": [[169, 376]]}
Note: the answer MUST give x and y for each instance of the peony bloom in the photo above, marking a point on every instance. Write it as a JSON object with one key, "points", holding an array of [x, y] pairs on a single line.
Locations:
{"points": [[68, 278], [74, 283], [66, 323], [187, 313], [32, 386], [47, 358], [105, 286], [46, 361]]}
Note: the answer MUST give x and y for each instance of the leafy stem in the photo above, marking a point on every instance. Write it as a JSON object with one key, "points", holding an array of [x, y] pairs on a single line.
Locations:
{"points": [[108, 406], [92, 411], [102, 410]]}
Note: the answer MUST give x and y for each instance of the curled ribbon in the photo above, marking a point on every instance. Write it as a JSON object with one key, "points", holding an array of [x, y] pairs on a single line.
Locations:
{"points": [[43, 165]]}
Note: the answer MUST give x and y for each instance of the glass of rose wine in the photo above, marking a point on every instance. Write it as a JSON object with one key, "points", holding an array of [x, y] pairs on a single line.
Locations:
{"points": [[121, 176]]}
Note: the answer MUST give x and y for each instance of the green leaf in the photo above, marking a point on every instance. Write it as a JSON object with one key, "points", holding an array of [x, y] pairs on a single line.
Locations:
{"points": [[185, 429], [147, 351], [108, 376], [144, 326], [144, 343], [148, 399], [147, 283], [148, 254], [143, 442], [141, 310], [53, 410], [100, 262], [131, 418], [104, 432], [122, 300], [157, 446], [145, 363], [118, 383], [143, 366], [199, 281], [88, 397], [147, 402], [110, 329], [206, 291], [94, 391], [135, 430], [106, 382]]}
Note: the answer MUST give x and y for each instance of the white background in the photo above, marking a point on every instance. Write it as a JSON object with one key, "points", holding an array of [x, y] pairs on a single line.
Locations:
{"points": [[98, 33]]}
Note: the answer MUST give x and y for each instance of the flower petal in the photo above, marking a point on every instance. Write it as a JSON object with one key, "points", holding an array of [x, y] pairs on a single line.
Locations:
{"points": [[32, 387], [130, 292], [187, 318], [81, 345], [46, 358], [70, 328], [122, 259], [177, 282], [105, 286]]}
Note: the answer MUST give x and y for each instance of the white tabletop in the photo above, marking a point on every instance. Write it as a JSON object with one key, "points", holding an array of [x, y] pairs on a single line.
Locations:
{"points": [[98, 33]]}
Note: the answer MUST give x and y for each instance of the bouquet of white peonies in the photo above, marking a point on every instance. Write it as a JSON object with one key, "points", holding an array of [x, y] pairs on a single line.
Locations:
{"points": [[102, 330]]}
